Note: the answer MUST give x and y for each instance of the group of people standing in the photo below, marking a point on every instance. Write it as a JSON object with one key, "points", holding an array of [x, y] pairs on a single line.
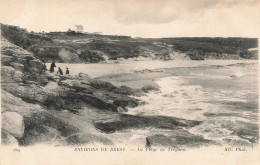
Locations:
{"points": [[53, 65]]}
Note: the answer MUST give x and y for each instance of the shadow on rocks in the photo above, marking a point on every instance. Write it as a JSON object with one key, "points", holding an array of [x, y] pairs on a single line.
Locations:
{"points": [[45, 128]]}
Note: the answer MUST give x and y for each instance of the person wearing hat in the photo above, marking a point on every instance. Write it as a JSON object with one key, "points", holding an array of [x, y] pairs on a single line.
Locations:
{"points": [[67, 71], [60, 71], [52, 66]]}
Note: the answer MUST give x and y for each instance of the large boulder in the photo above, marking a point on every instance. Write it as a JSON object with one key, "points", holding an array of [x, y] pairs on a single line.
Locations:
{"points": [[12, 122], [37, 64], [51, 76], [7, 100], [176, 139], [8, 51], [77, 85], [7, 74], [99, 84], [83, 76], [67, 76], [17, 66], [124, 121], [51, 87], [46, 128], [18, 75], [31, 65], [99, 102], [8, 139], [148, 88], [42, 134], [12, 103], [126, 102], [127, 91], [6, 60], [29, 93], [69, 83], [21, 60]]}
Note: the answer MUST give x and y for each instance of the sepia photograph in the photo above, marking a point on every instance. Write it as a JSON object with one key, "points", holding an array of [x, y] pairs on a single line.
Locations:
{"points": [[129, 76]]}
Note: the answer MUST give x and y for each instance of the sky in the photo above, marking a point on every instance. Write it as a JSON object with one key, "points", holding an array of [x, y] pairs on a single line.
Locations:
{"points": [[137, 18]]}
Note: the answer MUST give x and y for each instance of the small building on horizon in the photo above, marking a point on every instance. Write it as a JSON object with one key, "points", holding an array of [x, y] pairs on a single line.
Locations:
{"points": [[79, 28]]}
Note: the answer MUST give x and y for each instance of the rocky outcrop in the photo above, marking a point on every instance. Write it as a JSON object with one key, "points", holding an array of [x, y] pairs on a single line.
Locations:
{"points": [[45, 128], [124, 121], [49, 128], [12, 122], [17, 66], [6, 60], [11, 103], [23, 77], [177, 139], [100, 94], [102, 85], [29, 93], [39, 126], [9, 74], [124, 90], [8, 139], [70, 94], [148, 88], [83, 76], [125, 102]]}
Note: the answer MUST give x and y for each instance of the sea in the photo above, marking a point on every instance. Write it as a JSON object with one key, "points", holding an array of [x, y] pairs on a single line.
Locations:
{"points": [[224, 98]]}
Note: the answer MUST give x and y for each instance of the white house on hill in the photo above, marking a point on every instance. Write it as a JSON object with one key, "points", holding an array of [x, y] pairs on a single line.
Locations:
{"points": [[79, 28]]}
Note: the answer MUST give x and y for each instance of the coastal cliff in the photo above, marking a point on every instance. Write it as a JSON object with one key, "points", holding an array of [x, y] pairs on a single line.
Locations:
{"points": [[39, 107], [73, 47]]}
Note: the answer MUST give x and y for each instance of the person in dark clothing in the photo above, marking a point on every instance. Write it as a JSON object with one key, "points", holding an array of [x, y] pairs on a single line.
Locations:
{"points": [[60, 71], [148, 144], [52, 66], [44, 67], [67, 71]]}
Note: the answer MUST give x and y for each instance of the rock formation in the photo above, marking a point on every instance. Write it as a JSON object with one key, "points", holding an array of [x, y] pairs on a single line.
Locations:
{"points": [[42, 107]]}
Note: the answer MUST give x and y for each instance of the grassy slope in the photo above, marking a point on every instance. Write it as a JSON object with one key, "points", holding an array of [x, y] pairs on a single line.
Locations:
{"points": [[219, 45], [92, 48]]}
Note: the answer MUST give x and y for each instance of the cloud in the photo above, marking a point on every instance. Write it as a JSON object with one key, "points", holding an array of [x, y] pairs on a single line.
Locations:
{"points": [[151, 12], [231, 3], [167, 11], [142, 18]]}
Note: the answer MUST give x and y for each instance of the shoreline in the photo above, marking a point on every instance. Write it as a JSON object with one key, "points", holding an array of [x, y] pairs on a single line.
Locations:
{"points": [[96, 70], [149, 76]]}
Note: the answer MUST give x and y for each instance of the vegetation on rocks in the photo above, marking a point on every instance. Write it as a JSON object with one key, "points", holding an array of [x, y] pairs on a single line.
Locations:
{"points": [[31, 98], [73, 47], [29, 94]]}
